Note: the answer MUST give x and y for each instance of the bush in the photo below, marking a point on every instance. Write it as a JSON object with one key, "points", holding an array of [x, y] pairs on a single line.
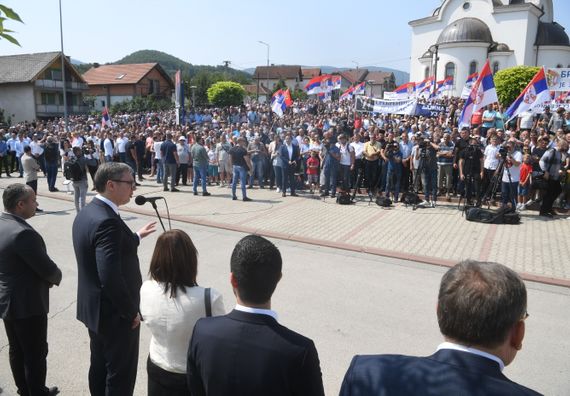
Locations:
{"points": [[226, 93], [510, 82]]}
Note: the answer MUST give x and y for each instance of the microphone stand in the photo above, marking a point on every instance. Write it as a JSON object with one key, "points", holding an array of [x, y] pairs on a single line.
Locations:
{"points": [[153, 203]]}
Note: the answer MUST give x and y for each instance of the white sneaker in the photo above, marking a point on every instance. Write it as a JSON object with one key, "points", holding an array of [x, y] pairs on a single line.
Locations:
{"points": [[424, 203], [529, 202], [433, 204], [518, 206], [522, 207], [278, 190]]}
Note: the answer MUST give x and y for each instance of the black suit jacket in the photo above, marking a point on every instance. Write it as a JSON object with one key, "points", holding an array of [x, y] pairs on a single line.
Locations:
{"points": [[26, 271], [109, 277], [296, 156], [447, 372], [251, 354]]}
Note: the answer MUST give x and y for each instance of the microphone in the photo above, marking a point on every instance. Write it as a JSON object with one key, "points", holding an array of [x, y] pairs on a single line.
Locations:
{"points": [[141, 199]]}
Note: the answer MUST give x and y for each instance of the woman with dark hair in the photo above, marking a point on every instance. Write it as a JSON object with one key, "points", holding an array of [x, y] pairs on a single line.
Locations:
{"points": [[171, 303]]}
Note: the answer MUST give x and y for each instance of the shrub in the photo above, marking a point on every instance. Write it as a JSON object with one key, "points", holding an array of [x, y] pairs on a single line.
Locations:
{"points": [[226, 93], [510, 82]]}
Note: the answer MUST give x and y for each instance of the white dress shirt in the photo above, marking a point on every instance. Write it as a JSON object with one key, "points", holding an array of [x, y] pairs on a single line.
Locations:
{"points": [[261, 311], [171, 321], [457, 347]]}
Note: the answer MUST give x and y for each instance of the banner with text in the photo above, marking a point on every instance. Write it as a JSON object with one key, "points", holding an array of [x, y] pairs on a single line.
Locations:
{"points": [[370, 105], [558, 79], [430, 110]]}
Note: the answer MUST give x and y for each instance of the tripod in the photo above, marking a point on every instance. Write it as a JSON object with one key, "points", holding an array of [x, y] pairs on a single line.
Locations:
{"points": [[357, 184], [494, 184], [417, 176], [466, 196]]}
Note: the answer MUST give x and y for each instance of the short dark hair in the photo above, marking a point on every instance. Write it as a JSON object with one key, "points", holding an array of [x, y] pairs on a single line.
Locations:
{"points": [[27, 149], [109, 171], [174, 261], [13, 194], [256, 265], [479, 303]]}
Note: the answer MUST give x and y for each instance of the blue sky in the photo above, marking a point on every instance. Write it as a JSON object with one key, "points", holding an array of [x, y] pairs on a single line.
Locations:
{"points": [[310, 32]]}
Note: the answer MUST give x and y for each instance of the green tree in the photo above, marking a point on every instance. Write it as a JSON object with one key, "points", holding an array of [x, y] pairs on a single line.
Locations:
{"points": [[510, 82], [226, 93], [5, 14], [299, 94], [280, 85], [142, 104]]}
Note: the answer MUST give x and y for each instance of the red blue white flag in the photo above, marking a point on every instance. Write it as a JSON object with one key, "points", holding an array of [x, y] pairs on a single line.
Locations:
{"points": [[106, 118], [482, 94], [471, 79], [535, 93]]}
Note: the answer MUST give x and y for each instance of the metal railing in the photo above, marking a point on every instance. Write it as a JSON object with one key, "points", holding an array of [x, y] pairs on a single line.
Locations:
{"points": [[54, 84]]}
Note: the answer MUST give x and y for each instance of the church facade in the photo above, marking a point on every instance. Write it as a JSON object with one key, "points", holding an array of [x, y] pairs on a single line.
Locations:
{"points": [[462, 34]]}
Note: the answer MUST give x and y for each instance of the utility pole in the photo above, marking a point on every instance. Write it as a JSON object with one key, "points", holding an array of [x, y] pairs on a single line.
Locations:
{"points": [[226, 63], [267, 75], [63, 70]]}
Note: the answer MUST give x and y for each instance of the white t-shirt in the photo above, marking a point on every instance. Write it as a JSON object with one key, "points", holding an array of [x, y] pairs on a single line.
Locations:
{"points": [[515, 170], [345, 153], [358, 148], [157, 154], [527, 119], [491, 160]]}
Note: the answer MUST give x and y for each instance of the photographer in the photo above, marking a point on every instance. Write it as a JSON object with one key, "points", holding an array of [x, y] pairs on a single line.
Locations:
{"points": [[346, 161], [426, 153], [371, 154], [511, 176], [461, 144], [393, 160], [471, 171]]}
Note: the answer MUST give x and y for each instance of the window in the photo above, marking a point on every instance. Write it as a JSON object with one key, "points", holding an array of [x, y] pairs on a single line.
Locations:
{"points": [[426, 73], [56, 75], [153, 87], [496, 67], [48, 98], [472, 67], [450, 70]]}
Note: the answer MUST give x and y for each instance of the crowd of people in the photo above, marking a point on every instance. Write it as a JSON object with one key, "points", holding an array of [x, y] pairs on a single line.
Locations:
{"points": [[321, 148], [198, 349]]}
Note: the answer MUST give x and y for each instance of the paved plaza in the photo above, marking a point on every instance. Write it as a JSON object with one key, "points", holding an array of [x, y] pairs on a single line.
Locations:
{"points": [[349, 299]]}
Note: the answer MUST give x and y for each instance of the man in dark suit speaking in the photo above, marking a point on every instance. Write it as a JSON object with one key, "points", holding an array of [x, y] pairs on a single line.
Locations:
{"points": [[26, 274], [481, 313], [291, 159], [247, 352], [109, 280]]}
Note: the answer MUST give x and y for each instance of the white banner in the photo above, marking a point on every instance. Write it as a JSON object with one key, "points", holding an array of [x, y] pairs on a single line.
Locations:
{"points": [[404, 107], [558, 79]]}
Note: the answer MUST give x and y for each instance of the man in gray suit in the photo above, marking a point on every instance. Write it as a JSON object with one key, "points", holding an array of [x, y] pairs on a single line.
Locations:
{"points": [[26, 274]]}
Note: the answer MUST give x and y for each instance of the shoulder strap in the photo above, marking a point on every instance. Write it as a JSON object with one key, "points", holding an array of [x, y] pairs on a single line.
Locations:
{"points": [[208, 301]]}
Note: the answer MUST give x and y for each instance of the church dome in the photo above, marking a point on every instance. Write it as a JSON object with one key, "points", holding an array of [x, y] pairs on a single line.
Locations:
{"points": [[551, 34], [501, 47], [466, 30]]}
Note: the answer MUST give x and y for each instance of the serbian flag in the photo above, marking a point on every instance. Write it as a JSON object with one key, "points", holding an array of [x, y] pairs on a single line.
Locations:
{"points": [[280, 100], [325, 96], [348, 94], [106, 118], [443, 86], [405, 91], [334, 82], [535, 93], [471, 79], [318, 85], [359, 89], [482, 94], [423, 89]]}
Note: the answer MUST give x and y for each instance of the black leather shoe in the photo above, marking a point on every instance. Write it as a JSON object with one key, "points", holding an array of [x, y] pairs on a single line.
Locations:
{"points": [[234, 198], [293, 195], [206, 194], [246, 199], [53, 391]]}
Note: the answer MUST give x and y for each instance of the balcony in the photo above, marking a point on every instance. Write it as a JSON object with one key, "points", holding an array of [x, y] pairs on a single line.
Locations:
{"points": [[58, 85], [47, 110]]}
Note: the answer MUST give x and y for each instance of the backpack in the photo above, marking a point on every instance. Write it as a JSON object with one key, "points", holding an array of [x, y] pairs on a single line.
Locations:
{"points": [[501, 216], [384, 202], [72, 170], [411, 198]]}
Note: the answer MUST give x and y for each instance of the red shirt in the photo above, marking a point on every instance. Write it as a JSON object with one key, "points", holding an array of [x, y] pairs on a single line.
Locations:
{"points": [[312, 166], [526, 169], [477, 117]]}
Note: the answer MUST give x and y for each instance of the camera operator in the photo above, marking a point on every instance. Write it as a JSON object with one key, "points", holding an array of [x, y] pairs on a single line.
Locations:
{"points": [[393, 160], [406, 149], [510, 185], [427, 154], [371, 154], [551, 163], [461, 144], [491, 159], [471, 170], [445, 164]]}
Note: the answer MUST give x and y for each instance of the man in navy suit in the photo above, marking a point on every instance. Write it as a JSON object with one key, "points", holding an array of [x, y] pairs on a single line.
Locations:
{"points": [[481, 313], [247, 352], [26, 275], [109, 281], [291, 156]]}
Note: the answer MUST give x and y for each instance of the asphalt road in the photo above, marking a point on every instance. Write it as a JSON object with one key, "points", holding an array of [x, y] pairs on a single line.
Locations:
{"points": [[348, 303]]}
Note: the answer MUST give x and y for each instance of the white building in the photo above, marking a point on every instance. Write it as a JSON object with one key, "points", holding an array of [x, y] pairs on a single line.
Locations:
{"points": [[461, 34]]}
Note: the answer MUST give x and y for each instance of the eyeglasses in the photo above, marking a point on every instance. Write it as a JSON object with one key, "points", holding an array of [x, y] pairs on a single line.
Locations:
{"points": [[131, 182]]}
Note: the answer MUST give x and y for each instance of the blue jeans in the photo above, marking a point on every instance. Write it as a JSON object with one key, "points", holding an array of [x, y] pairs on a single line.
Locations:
{"points": [[278, 175], [257, 171], [241, 174], [202, 173], [51, 174], [393, 180], [509, 193], [345, 177], [330, 179], [429, 181], [159, 171]]}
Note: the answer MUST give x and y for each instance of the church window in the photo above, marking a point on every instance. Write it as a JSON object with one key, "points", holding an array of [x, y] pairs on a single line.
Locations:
{"points": [[472, 67], [450, 70], [495, 67], [466, 5]]}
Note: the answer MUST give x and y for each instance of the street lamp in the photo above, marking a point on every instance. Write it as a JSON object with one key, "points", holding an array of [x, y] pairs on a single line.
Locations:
{"points": [[267, 75], [63, 69]]}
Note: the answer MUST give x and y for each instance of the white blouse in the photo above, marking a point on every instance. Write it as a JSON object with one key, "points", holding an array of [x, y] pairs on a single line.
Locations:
{"points": [[171, 321]]}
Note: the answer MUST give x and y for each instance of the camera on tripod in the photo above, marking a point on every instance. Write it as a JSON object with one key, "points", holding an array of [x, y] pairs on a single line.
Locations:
{"points": [[503, 152]]}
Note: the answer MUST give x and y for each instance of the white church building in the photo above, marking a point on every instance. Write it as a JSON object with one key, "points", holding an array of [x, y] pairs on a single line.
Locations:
{"points": [[461, 34]]}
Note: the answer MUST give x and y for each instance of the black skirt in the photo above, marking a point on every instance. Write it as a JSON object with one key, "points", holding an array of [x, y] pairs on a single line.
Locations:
{"points": [[165, 383]]}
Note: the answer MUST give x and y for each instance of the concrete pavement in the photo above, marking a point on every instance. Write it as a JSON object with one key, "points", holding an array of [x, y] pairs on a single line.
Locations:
{"points": [[347, 302]]}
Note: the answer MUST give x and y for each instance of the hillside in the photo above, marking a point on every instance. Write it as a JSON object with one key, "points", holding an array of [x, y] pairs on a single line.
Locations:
{"points": [[171, 64]]}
